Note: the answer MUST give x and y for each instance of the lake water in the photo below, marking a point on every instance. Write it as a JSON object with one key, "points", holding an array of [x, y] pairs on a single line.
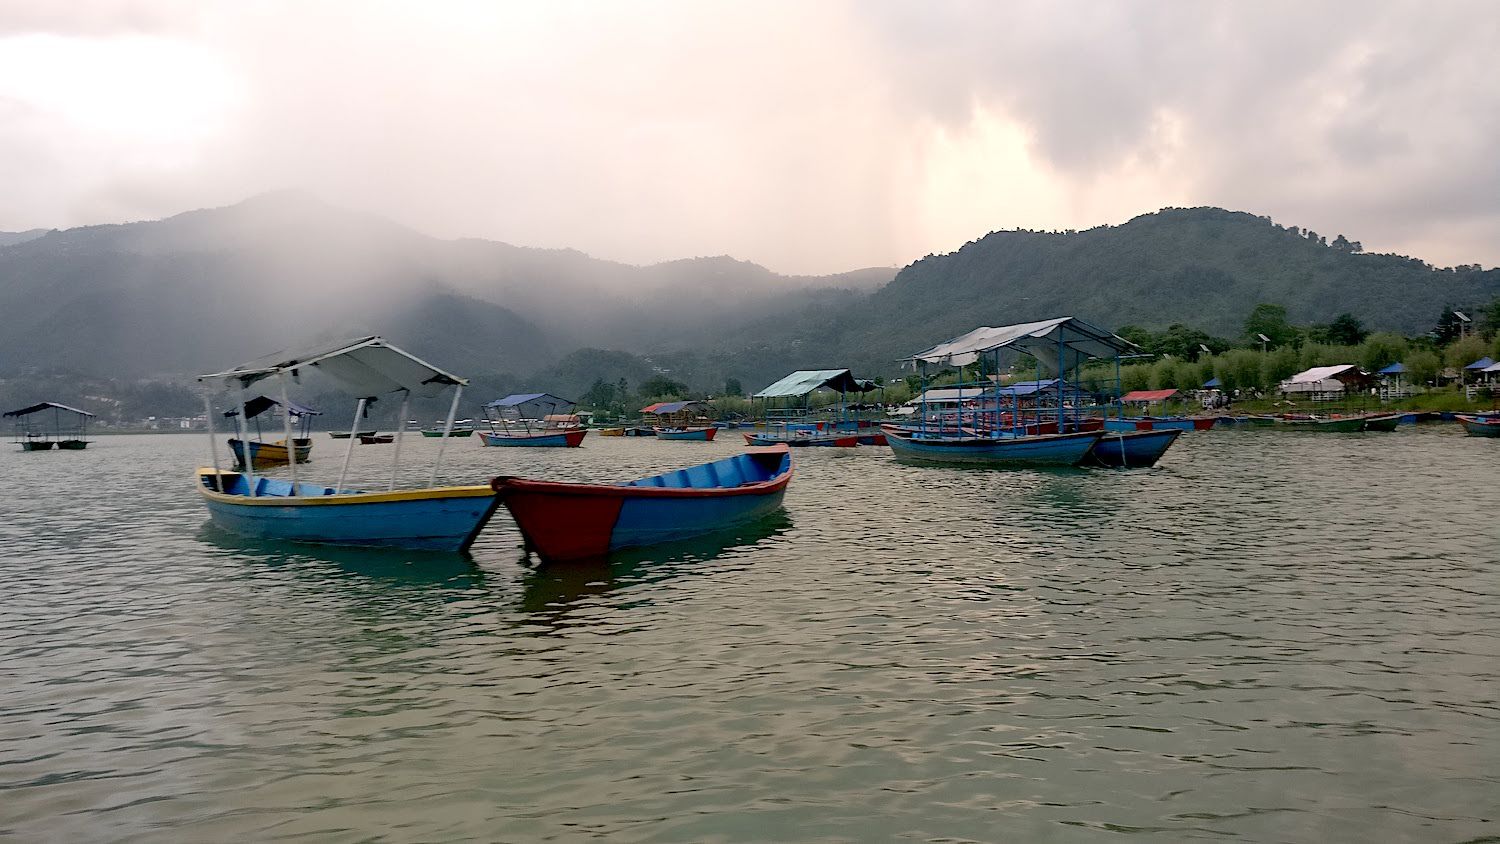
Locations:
{"points": [[1272, 637]]}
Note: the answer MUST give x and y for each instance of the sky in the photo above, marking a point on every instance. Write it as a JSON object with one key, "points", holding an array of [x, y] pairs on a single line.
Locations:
{"points": [[811, 137]]}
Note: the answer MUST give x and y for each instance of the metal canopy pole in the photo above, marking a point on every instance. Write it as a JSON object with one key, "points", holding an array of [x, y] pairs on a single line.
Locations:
{"points": [[447, 429], [286, 420], [359, 412], [245, 450], [400, 427], [213, 446]]}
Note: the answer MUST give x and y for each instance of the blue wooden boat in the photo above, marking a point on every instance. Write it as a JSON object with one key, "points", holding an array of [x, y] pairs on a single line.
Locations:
{"points": [[1131, 449], [569, 438], [1159, 423], [704, 434], [445, 518], [439, 519], [997, 451], [568, 521]]}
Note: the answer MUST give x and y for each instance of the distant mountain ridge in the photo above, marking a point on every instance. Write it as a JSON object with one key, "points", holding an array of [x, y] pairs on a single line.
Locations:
{"points": [[207, 289]]}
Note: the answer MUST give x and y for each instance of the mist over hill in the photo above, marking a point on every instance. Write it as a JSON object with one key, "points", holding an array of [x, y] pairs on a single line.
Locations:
{"points": [[207, 289]]}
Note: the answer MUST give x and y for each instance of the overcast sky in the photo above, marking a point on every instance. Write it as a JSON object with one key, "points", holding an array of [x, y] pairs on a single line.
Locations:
{"points": [[807, 136]]}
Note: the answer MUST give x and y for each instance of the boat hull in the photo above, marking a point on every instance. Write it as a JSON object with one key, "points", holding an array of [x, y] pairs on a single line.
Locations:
{"points": [[1383, 424], [1479, 426], [611, 432], [269, 454], [440, 519], [457, 432], [37, 445], [344, 435], [639, 431], [696, 434], [564, 521], [1147, 423], [553, 439], [803, 441], [1013, 452], [1349, 425], [72, 445], [377, 439], [1131, 449]]}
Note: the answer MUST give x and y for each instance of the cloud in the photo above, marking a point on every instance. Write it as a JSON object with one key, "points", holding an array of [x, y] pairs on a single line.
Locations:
{"points": [[810, 137]]}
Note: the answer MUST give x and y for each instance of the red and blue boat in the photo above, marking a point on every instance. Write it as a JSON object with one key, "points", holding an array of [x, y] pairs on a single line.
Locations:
{"points": [[703, 434], [1479, 426], [798, 438], [1131, 449], [1159, 423], [571, 521]]}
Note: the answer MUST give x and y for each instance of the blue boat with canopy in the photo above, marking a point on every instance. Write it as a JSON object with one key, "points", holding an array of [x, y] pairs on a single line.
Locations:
{"points": [[534, 420], [436, 518], [266, 454], [1011, 427]]}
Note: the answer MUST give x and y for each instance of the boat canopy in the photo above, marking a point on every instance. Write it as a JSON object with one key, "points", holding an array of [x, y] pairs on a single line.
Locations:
{"points": [[1393, 369], [531, 401], [805, 381], [1148, 395], [46, 405], [1344, 373], [1212, 384], [1482, 363], [1070, 338], [666, 408], [367, 366], [1024, 388], [261, 404], [1494, 367]]}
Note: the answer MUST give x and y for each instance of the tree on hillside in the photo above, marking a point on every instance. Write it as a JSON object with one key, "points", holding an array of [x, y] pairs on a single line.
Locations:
{"points": [[1423, 367], [1344, 244], [1346, 330], [1448, 327], [1270, 320], [1489, 318], [660, 385], [732, 387]]}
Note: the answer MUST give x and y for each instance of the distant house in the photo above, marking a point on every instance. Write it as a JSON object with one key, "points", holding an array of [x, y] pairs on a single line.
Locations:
{"points": [[1326, 383]]}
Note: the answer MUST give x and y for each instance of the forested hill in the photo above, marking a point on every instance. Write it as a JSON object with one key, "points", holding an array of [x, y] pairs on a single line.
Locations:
{"points": [[1204, 267]]}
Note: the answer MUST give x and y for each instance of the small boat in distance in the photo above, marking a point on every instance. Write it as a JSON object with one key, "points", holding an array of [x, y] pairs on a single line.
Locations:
{"points": [[699, 434], [1025, 451], [344, 435], [376, 439], [436, 518], [569, 521], [1479, 426], [68, 431], [532, 420], [265, 454], [801, 439], [611, 432]]}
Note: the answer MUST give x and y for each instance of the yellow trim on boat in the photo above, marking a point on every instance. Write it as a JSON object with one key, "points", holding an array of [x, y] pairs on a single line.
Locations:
{"points": [[345, 498]]}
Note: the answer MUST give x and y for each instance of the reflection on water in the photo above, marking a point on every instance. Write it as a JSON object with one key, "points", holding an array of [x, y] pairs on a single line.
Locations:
{"points": [[1270, 637], [551, 588]]}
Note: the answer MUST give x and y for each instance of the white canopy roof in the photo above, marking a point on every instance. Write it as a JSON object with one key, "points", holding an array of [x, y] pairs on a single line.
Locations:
{"points": [[1067, 337], [1494, 367], [367, 366], [1323, 373]]}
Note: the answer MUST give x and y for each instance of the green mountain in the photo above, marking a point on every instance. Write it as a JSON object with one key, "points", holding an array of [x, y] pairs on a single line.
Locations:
{"points": [[1203, 267]]}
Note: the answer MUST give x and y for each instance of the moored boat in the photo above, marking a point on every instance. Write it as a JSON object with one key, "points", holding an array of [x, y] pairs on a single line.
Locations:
{"points": [[611, 432], [570, 521], [1479, 426], [344, 435], [377, 439], [430, 518], [1131, 449], [68, 430], [1331, 425], [1382, 422], [456, 432], [1159, 423], [998, 452], [640, 431], [569, 438], [800, 439], [705, 434], [269, 454]]}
